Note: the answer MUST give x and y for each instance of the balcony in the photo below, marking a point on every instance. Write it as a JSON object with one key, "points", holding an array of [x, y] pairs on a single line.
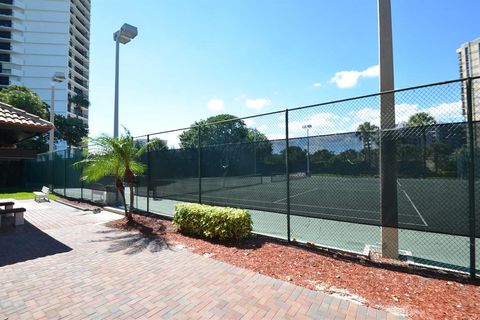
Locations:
{"points": [[83, 53], [78, 91], [7, 47], [80, 12], [84, 6], [80, 82], [75, 21], [80, 72], [81, 62], [11, 72], [83, 33], [15, 3], [7, 25], [85, 23]]}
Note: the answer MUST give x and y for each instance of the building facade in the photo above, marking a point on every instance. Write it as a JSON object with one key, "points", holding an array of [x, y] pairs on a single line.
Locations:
{"points": [[41, 37], [469, 64]]}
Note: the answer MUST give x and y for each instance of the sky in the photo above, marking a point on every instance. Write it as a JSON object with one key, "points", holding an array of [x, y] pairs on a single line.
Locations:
{"points": [[194, 59]]}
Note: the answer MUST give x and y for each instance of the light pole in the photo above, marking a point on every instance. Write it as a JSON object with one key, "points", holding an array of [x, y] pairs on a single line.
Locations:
{"points": [[308, 126], [123, 36], [56, 78], [388, 173]]}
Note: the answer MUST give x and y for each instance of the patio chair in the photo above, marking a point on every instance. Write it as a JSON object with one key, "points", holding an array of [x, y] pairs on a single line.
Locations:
{"points": [[42, 195], [18, 212]]}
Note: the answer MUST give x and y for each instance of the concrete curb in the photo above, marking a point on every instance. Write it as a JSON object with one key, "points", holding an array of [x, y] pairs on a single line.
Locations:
{"points": [[71, 205], [114, 210]]}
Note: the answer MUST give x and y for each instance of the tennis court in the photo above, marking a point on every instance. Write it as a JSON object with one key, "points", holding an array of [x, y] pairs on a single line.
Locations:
{"points": [[336, 212], [421, 202]]}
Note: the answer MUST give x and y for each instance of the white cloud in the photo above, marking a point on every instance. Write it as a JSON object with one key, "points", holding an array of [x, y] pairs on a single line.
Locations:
{"points": [[451, 111], [349, 79], [275, 136], [445, 112], [216, 104], [171, 138], [249, 122], [322, 123], [257, 104], [364, 115], [317, 85]]}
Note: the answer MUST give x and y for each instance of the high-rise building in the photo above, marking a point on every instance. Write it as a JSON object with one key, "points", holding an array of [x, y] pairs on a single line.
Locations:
{"points": [[469, 63], [41, 37]]}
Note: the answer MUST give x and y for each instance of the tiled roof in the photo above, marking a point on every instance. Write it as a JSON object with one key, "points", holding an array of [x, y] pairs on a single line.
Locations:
{"points": [[13, 117]]}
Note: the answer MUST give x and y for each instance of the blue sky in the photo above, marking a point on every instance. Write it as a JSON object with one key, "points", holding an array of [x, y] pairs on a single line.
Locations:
{"points": [[193, 59]]}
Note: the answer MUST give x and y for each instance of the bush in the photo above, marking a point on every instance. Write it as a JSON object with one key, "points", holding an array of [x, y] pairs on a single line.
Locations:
{"points": [[213, 222]]}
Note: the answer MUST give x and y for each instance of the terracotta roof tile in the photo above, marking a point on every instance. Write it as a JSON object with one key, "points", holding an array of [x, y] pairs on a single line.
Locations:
{"points": [[20, 118]]}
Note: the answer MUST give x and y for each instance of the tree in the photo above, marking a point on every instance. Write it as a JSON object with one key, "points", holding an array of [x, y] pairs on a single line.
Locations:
{"points": [[440, 152], [24, 98], [155, 144], [297, 158], [71, 130], [230, 146], [422, 121], [118, 157], [78, 101], [322, 155], [368, 134], [230, 130]]}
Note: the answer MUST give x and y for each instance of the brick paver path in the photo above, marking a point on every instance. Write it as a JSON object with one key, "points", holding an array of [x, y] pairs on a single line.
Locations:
{"points": [[64, 263]]}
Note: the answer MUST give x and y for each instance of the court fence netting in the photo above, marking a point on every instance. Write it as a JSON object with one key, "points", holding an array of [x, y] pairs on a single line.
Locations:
{"points": [[335, 174]]}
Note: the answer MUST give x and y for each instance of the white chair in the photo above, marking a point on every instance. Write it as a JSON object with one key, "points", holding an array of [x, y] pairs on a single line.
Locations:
{"points": [[42, 195]]}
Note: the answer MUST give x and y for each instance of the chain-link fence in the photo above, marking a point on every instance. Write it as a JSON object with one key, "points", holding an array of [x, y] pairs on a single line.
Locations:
{"points": [[336, 174]]}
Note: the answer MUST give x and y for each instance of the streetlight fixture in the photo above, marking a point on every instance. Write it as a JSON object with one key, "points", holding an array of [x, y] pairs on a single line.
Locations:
{"points": [[57, 77], [124, 35], [308, 126]]}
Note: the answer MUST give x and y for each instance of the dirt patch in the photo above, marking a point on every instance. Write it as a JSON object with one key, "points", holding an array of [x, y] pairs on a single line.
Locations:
{"points": [[419, 296]]}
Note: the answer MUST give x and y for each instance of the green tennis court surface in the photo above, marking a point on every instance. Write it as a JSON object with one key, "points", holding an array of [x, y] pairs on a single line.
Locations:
{"points": [[317, 202], [437, 205]]}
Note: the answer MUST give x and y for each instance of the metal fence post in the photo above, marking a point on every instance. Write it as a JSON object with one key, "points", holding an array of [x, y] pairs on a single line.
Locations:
{"points": [[51, 157], [65, 155], [199, 164], [81, 183], [148, 173], [287, 172], [471, 176]]}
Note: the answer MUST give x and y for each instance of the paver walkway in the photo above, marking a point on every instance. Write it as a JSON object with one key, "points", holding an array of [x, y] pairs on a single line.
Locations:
{"points": [[64, 263]]}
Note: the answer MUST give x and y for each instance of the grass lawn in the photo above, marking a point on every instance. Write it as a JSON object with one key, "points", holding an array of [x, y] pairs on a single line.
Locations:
{"points": [[23, 196]]}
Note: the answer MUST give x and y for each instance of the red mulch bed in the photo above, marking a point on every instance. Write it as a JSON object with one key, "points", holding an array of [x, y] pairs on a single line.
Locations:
{"points": [[421, 297], [84, 204]]}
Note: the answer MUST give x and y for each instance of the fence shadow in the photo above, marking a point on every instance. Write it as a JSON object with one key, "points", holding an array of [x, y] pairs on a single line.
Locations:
{"points": [[27, 242]]}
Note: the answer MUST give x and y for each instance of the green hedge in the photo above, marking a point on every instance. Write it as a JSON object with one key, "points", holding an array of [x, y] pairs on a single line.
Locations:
{"points": [[213, 222]]}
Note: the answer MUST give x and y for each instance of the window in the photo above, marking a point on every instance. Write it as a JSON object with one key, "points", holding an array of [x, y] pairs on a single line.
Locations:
{"points": [[4, 81]]}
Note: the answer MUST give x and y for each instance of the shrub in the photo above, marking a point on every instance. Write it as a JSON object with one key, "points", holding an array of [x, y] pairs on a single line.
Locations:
{"points": [[213, 222]]}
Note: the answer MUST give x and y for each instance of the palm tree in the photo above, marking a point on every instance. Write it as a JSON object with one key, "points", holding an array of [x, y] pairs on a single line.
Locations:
{"points": [[368, 134], [422, 120], [118, 157], [79, 101]]}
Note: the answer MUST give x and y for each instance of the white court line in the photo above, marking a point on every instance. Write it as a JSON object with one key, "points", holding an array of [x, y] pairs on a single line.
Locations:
{"points": [[310, 215], [296, 195], [413, 205]]}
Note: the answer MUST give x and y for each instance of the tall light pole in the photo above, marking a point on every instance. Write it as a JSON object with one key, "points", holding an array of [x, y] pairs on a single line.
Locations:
{"points": [[255, 151], [308, 126], [56, 78], [123, 36], [388, 172]]}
